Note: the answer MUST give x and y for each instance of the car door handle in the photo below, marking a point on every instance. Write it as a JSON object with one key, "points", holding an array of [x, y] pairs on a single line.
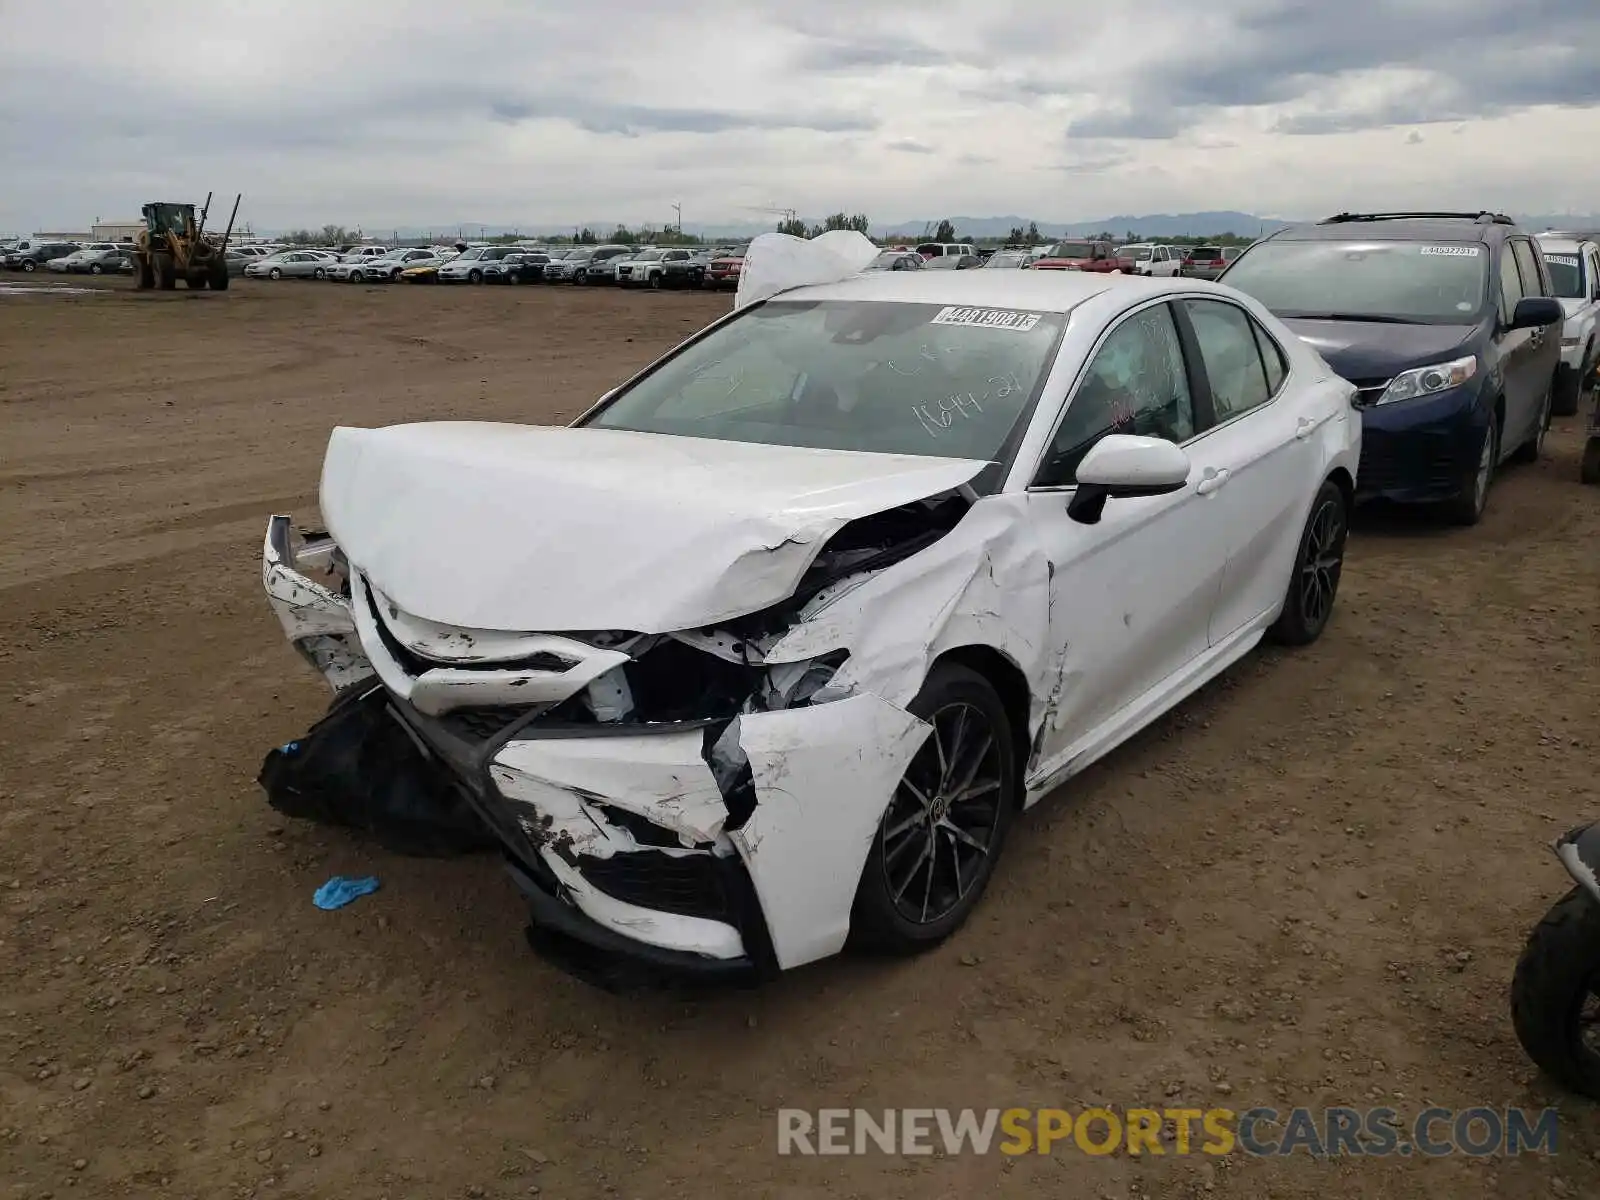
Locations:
{"points": [[1211, 482]]}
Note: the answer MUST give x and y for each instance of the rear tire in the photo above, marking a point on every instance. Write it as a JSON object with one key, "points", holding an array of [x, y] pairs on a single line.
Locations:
{"points": [[96, 269], [1318, 564], [1558, 971], [927, 822]]}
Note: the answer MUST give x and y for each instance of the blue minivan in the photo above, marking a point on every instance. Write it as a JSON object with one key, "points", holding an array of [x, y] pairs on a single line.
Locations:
{"points": [[1447, 325]]}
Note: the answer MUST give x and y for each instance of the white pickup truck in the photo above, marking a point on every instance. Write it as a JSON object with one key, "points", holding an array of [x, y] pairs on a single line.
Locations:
{"points": [[1574, 266]]}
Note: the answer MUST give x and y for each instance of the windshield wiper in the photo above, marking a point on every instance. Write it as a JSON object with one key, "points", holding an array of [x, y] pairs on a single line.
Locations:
{"points": [[1375, 318]]}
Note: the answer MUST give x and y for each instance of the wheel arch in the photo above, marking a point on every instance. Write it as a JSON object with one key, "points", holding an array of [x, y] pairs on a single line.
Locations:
{"points": [[1340, 478], [1010, 682]]}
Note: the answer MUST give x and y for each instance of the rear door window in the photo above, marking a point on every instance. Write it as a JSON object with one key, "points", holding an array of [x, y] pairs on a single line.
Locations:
{"points": [[1231, 355]]}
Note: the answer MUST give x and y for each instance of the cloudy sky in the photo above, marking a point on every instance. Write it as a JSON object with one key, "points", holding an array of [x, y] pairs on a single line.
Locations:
{"points": [[385, 112]]}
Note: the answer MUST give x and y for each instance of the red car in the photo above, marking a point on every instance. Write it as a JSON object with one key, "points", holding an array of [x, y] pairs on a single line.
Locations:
{"points": [[1083, 256], [724, 272]]}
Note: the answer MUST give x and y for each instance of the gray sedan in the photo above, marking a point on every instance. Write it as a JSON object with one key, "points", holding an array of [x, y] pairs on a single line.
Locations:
{"points": [[291, 264]]}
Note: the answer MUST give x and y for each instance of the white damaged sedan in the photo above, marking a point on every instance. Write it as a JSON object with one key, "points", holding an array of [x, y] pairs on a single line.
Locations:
{"points": [[767, 650]]}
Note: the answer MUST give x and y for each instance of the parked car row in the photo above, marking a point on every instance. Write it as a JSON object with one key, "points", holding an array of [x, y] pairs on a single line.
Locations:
{"points": [[34, 254], [616, 265]]}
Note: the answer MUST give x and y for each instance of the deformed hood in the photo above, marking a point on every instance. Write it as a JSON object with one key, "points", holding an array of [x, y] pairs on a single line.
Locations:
{"points": [[554, 529]]}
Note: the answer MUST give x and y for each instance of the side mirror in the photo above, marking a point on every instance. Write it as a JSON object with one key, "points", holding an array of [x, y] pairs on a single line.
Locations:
{"points": [[1534, 312], [1122, 466]]}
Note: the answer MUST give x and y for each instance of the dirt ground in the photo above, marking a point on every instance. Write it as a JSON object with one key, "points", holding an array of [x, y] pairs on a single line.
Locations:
{"points": [[1307, 886]]}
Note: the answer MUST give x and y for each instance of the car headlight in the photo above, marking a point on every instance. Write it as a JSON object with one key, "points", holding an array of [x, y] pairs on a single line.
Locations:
{"points": [[1425, 381]]}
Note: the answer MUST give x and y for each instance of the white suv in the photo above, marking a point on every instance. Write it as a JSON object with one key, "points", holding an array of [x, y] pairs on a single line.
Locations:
{"points": [[1152, 258], [1574, 266]]}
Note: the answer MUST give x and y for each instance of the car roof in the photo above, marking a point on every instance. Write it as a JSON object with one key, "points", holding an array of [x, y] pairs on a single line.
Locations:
{"points": [[1404, 229], [1045, 291], [1562, 243]]}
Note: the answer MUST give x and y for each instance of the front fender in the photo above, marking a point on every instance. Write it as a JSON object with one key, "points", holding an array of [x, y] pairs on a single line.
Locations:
{"points": [[1579, 852]]}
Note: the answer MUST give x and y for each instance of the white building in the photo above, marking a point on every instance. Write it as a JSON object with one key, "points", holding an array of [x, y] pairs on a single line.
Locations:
{"points": [[117, 231]]}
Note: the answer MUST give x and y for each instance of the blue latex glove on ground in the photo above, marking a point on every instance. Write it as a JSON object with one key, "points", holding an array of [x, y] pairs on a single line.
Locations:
{"points": [[340, 890]]}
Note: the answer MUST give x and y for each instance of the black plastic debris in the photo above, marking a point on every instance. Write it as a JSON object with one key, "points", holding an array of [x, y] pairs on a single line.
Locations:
{"points": [[360, 768]]}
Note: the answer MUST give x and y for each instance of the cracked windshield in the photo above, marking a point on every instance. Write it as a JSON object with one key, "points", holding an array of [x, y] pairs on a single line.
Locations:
{"points": [[927, 379]]}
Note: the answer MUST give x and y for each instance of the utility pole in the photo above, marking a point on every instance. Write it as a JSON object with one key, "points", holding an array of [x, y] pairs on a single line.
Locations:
{"points": [[678, 213]]}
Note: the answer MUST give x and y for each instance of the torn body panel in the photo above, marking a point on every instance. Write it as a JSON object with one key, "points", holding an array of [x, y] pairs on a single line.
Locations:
{"points": [[821, 778], [316, 619], [571, 797], [985, 583]]}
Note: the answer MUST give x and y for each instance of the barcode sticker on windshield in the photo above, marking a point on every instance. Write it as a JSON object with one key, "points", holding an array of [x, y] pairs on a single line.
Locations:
{"points": [[987, 318], [1566, 260], [1454, 251]]}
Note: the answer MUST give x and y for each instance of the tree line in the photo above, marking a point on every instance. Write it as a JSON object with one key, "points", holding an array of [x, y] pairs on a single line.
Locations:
{"points": [[650, 235]]}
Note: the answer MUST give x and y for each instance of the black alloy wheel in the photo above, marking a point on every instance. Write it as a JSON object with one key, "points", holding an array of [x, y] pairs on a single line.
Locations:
{"points": [[1319, 562], [946, 822]]}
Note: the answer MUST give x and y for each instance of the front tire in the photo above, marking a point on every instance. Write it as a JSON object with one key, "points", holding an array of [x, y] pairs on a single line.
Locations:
{"points": [[474, 276], [945, 825], [274, 274], [1556, 977], [1533, 448], [1569, 396], [166, 271], [1318, 563], [96, 269], [1468, 506]]}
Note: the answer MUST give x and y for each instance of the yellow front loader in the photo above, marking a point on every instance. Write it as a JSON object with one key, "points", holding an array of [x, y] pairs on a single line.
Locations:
{"points": [[173, 245]]}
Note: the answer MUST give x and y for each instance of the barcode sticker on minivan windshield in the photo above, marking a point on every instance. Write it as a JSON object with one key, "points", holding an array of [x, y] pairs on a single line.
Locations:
{"points": [[1566, 260], [1456, 251], [987, 318]]}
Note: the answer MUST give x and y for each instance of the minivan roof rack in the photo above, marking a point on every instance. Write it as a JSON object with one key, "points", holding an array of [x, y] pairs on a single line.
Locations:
{"points": [[1486, 217]]}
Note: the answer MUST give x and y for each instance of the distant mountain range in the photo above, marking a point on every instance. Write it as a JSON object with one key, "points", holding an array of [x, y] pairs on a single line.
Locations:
{"points": [[1145, 225]]}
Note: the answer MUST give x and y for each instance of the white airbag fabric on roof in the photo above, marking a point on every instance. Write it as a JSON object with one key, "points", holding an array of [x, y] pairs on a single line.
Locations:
{"points": [[776, 262]]}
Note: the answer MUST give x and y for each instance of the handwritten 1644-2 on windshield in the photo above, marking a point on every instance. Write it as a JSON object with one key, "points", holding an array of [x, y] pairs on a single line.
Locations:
{"points": [[942, 416]]}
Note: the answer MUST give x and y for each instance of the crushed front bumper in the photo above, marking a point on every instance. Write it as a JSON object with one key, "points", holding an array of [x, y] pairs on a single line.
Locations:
{"points": [[718, 847]]}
